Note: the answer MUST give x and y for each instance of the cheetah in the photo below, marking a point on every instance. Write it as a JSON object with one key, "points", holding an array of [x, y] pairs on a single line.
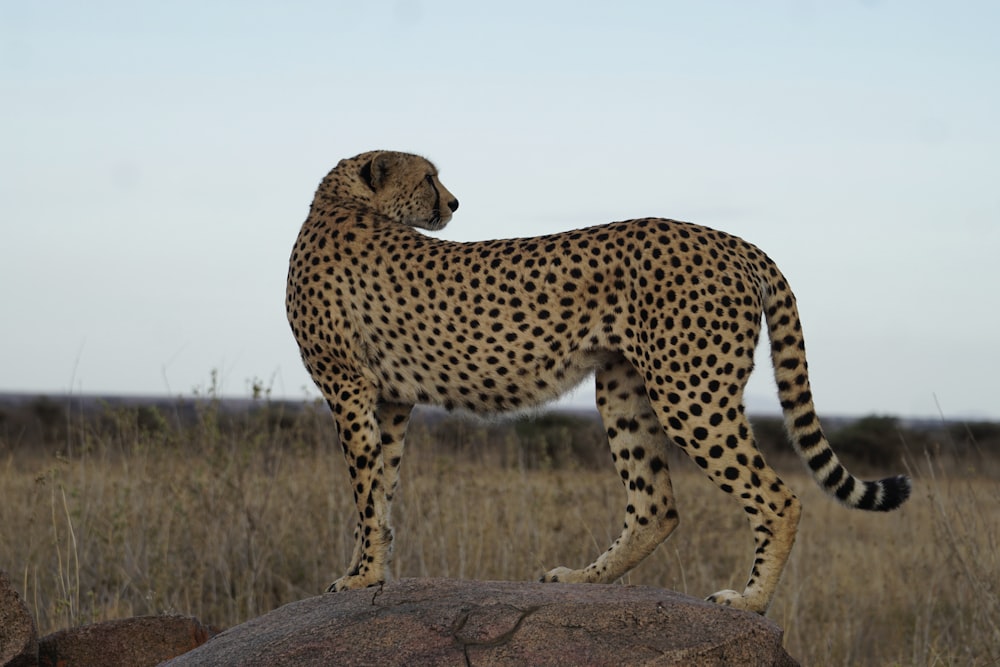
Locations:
{"points": [[665, 314]]}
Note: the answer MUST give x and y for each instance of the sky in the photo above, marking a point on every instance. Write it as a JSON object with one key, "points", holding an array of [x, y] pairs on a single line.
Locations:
{"points": [[157, 160]]}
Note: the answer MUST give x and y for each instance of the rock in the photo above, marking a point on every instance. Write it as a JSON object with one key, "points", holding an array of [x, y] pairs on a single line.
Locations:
{"points": [[18, 640], [130, 642], [449, 622]]}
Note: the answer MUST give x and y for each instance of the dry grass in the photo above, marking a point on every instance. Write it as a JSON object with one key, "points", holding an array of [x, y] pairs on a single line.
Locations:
{"points": [[228, 523]]}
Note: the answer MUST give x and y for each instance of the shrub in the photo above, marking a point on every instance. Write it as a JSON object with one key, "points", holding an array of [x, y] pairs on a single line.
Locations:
{"points": [[877, 441]]}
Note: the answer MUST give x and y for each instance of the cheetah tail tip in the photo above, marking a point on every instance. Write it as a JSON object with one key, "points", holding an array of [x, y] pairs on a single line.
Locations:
{"points": [[895, 491]]}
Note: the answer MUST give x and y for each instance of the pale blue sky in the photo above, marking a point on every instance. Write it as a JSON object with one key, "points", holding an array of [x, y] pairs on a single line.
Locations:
{"points": [[157, 159]]}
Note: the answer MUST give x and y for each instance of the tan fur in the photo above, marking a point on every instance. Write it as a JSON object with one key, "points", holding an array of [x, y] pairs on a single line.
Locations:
{"points": [[666, 314]]}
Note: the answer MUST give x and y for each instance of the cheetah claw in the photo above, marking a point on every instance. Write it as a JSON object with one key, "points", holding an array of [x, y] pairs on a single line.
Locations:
{"points": [[352, 582], [728, 598]]}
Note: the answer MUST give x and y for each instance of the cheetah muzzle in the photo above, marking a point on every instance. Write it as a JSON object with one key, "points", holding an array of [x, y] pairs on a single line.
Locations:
{"points": [[665, 314]]}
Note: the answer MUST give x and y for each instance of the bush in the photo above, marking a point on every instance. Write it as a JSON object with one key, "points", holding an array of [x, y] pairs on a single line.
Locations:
{"points": [[971, 436], [560, 440], [547, 441], [875, 440]]}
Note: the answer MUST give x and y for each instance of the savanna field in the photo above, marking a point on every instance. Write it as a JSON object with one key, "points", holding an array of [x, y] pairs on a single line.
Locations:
{"points": [[226, 512]]}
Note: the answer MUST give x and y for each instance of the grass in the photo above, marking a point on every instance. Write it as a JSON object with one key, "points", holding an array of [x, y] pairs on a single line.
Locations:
{"points": [[227, 516]]}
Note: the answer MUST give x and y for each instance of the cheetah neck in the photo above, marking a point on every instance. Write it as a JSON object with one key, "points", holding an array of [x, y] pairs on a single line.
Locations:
{"points": [[342, 186]]}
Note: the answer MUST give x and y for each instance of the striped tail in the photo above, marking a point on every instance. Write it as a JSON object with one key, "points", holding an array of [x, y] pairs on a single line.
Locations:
{"points": [[788, 355]]}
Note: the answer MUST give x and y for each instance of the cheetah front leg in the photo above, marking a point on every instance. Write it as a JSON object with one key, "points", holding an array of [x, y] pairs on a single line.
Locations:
{"points": [[358, 426], [639, 449], [393, 419]]}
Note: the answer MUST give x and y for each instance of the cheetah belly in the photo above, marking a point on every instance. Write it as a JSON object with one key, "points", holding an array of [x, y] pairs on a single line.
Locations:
{"points": [[489, 382]]}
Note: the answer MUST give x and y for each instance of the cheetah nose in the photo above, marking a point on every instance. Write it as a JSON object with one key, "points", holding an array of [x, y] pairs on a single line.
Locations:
{"points": [[453, 205]]}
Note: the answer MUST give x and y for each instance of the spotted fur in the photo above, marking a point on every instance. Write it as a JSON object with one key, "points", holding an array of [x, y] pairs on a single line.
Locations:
{"points": [[665, 314]]}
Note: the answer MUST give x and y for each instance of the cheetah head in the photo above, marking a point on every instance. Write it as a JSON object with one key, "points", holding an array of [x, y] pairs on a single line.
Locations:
{"points": [[406, 188]]}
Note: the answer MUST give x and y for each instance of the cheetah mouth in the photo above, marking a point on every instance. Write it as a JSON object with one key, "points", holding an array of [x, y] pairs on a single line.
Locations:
{"points": [[437, 221]]}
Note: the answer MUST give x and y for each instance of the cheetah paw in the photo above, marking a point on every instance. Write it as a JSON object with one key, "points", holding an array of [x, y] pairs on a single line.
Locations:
{"points": [[736, 600], [353, 582], [564, 575]]}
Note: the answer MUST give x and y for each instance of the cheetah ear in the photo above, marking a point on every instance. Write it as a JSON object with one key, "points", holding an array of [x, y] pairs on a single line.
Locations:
{"points": [[376, 171]]}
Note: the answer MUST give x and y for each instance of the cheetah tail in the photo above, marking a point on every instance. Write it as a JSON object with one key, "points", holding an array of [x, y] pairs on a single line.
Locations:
{"points": [[788, 355]]}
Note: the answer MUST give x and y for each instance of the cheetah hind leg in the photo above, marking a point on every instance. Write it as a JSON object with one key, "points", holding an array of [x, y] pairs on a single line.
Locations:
{"points": [[725, 449], [639, 448]]}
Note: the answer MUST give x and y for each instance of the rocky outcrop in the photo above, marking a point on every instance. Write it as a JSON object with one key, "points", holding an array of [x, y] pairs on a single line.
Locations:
{"points": [[131, 642], [421, 622], [18, 641], [448, 622]]}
